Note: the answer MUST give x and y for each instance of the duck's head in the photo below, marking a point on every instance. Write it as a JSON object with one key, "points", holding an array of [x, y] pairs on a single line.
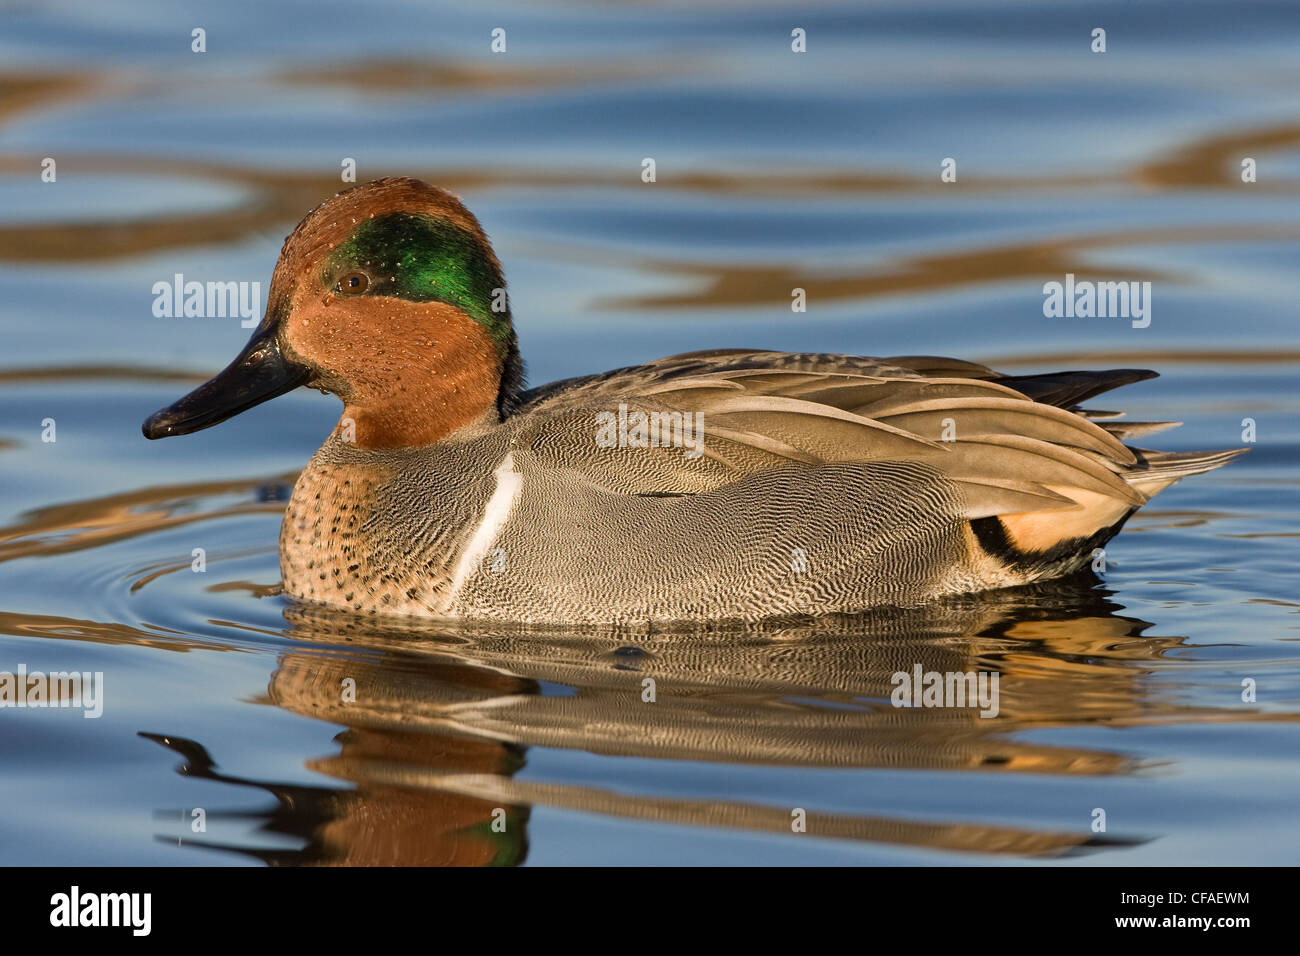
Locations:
{"points": [[389, 296]]}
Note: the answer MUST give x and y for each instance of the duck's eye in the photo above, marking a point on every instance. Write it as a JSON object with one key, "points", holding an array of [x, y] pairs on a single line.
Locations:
{"points": [[354, 283]]}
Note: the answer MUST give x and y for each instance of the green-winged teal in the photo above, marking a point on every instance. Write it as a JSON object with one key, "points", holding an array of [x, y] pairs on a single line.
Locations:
{"points": [[712, 485]]}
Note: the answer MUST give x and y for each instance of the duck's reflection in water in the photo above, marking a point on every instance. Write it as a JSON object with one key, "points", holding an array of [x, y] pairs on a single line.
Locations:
{"points": [[439, 721]]}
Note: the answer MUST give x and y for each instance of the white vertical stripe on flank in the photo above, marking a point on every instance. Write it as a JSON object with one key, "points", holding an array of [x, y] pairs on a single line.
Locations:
{"points": [[495, 513]]}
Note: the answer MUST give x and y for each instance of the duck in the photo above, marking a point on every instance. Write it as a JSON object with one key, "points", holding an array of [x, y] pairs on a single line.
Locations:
{"points": [[728, 484]]}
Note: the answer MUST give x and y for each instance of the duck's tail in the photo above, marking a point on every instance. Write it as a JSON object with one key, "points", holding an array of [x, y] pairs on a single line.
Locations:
{"points": [[1157, 470], [1053, 541]]}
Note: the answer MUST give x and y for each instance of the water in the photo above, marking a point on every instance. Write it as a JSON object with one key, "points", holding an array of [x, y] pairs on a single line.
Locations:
{"points": [[774, 170]]}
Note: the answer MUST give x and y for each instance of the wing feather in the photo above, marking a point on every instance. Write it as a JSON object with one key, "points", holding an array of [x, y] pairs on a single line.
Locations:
{"points": [[757, 410]]}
